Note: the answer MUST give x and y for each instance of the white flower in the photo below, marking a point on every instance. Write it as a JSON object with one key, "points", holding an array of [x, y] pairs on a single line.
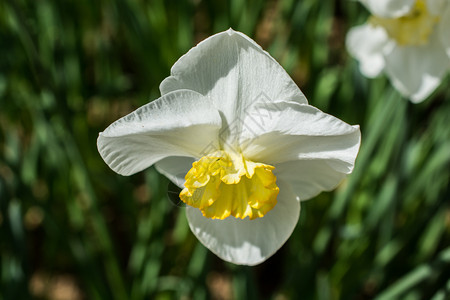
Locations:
{"points": [[409, 40], [234, 131]]}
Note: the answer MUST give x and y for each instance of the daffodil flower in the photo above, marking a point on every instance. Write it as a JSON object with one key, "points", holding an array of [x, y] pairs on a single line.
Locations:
{"points": [[235, 132], [409, 40]]}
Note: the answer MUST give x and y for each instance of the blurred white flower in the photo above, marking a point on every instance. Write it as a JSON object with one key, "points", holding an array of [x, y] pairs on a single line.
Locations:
{"points": [[409, 40], [235, 132]]}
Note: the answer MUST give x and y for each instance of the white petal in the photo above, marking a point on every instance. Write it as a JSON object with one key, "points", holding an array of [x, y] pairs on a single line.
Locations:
{"points": [[389, 8], [367, 43], [289, 131], [309, 177], [444, 29], [248, 242], [234, 71], [436, 7], [175, 168], [182, 123], [416, 71]]}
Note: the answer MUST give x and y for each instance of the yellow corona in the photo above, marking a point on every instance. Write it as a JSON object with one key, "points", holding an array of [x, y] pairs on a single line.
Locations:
{"points": [[225, 184], [413, 29]]}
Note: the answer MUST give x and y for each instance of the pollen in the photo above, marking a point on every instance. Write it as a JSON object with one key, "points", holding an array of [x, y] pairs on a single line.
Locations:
{"points": [[222, 185], [413, 29]]}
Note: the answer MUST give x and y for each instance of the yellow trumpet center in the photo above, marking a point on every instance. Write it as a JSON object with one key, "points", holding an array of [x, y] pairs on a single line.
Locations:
{"points": [[223, 185], [412, 29]]}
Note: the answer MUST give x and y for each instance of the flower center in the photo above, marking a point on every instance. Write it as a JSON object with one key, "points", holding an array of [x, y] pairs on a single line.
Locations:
{"points": [[220, 185], [413, 29]]}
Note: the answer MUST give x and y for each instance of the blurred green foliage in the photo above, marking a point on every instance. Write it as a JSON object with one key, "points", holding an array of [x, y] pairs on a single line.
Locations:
{"points": [[70, 228]]}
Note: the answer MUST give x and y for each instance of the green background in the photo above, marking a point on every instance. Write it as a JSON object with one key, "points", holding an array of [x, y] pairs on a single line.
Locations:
{"points": [[70, 228]]}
